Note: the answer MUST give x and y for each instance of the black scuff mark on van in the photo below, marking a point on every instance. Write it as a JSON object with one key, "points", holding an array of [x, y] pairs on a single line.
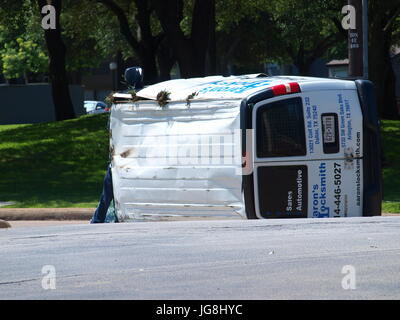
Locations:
{"points": [[112, 151], [126, 153]]}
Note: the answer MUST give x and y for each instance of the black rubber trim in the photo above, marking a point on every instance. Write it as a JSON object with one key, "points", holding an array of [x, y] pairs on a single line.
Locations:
{"points": [[372, 158], [246, 112]]}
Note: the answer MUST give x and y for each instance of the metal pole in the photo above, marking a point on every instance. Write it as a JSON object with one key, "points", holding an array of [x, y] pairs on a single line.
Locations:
{"points": [[365, 38], [356, 42]]}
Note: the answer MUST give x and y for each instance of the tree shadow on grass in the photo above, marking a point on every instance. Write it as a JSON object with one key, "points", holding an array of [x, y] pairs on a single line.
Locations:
{"points": [[54, 164]]}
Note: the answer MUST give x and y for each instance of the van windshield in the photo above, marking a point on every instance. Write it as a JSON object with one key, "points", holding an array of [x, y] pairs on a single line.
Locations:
{"points": [[280, 129]]}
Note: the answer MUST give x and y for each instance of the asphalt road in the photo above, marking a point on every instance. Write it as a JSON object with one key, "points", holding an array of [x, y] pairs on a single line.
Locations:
{"points": [[231, 259]]}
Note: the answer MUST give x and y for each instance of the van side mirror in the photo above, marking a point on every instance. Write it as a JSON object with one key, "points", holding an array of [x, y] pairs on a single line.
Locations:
{"points": [[134, 77]]}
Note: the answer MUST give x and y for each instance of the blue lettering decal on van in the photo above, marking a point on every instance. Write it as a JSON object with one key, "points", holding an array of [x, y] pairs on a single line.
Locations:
{"points": [[319, 199], [349, 121], [315, 124], [234, 86], [309, 125]]}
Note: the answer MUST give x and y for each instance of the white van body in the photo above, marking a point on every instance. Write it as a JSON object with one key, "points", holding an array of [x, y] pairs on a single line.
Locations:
{"points": [[243, 146]]}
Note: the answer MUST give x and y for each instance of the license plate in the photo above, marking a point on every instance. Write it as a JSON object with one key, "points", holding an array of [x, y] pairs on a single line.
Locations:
{"points": [[328, 123]]}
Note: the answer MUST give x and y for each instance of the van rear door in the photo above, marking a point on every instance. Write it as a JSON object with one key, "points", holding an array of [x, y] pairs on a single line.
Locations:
{"points": [[307, 151]]}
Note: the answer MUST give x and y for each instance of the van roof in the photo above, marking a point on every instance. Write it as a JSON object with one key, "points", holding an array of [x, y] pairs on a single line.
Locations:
{"points": [[235, 87]]}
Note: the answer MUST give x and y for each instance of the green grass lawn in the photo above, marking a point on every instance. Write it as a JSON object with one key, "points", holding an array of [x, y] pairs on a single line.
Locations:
{"points": [[391, 171], [62, 164], [56, 164]]}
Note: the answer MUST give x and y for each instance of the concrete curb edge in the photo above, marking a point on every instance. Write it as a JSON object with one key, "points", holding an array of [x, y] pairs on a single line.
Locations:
{"points": [[13, 214]]}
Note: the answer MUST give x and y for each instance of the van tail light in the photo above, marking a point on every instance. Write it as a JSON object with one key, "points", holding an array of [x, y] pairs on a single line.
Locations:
{"points": [[287, 88], [107, 109]]}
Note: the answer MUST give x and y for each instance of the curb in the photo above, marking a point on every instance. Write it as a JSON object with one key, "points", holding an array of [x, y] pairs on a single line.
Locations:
{"points": [[42, 214], [14, 214]]}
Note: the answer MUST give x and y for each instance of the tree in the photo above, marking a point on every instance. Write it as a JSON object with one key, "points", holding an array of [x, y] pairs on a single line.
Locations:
{"points": [[21, 57], [58, 76], [384, 23], [139, 36], [90, 34], [307, 29], [22, 49], [246, 36], [194, 50]]}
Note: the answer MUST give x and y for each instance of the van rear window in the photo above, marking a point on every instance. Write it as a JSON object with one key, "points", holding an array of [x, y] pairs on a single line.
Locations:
{"points": [[280, 129]]}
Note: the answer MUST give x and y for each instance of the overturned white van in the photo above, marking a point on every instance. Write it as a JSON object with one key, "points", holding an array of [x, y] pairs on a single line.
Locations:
{"points": [[250, 146]]}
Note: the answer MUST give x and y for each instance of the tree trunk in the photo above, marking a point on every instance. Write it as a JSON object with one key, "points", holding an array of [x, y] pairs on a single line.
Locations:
{"points": [[58, 76], [149, 43], [203, 37], [380, 65], [149, 64], [211, 62], [166, 60], [145, 45], [300, 61], [191, 53], [382, 75]]}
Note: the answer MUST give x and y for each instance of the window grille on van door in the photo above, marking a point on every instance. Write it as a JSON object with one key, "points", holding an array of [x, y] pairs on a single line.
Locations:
{"points": [[280, 129]]}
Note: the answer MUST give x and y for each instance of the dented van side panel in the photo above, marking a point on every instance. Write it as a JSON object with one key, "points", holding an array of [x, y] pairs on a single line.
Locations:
{"points": [[160, 164]]}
